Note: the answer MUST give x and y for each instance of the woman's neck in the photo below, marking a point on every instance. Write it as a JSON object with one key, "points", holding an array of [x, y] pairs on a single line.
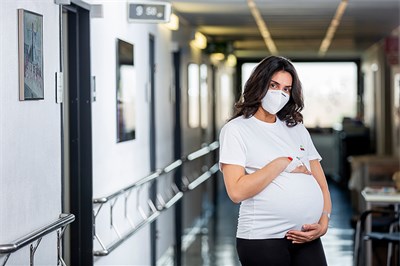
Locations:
{"points": [[264, 116]]}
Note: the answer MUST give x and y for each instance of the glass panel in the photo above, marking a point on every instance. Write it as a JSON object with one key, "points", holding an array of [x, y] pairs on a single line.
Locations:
{"points": [[203, 96], [193, 96], [247, 69], [226, 99]]}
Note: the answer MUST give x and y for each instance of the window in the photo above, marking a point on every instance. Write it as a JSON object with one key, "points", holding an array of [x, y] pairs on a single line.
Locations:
{"points": [[226, 100], [203, 96], [330, 90], [193, 95]]}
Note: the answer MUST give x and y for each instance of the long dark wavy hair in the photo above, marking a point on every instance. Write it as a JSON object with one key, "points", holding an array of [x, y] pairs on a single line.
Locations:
{"points": [[258, 84]]}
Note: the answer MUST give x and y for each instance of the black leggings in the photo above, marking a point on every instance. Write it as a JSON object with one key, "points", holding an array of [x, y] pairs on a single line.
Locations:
{"points": [[280, 252]]}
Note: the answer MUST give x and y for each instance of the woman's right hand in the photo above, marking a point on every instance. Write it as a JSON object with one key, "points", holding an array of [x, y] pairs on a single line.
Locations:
{"points": [[302, 169], [241, 185], [297, 166]]}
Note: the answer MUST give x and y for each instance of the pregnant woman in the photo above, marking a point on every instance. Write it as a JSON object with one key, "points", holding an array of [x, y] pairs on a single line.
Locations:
{"points": [[271, 167]]}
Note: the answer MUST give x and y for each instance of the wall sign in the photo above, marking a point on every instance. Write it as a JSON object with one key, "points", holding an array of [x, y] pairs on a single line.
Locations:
{"points": [[149, 12]]}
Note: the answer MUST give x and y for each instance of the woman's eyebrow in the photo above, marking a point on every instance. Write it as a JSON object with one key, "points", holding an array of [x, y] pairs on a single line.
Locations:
{"points": [[280, 84]]}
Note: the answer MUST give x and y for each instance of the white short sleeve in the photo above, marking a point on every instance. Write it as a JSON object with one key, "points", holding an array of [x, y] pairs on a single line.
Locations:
{"points": [[312, 151], [232, 149]]}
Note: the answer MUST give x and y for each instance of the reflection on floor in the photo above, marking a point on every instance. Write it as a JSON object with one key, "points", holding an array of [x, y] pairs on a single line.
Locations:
{"points": [[214, 244], [338, 242]]}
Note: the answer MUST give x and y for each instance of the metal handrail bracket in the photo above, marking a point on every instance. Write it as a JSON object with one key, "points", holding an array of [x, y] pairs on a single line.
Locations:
{"points": [[117, 243]]}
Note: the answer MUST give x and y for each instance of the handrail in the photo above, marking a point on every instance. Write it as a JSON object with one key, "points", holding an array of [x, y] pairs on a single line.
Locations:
{"points": [[61, 222], [125, 189], [206, 175], [202, 151], [155, 211], [105, 251], [175, 164]]}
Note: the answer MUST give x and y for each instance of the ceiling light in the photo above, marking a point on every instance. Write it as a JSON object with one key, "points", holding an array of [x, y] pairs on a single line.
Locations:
{"points": [[326, 42], [173, 23], [199, 41], [231, 60], [215, 58], [262, 27]]}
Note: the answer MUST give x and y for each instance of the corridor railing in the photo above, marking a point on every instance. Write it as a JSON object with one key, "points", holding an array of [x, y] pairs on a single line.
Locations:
{"points": [[162, 202], [59, 225]]}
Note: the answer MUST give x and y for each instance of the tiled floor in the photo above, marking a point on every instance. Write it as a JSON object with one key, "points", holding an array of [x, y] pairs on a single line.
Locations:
{"points": [[215, 242]]}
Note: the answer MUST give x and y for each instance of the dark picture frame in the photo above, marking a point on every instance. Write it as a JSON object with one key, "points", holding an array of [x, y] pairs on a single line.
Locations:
{"points": [[30, 55], [126, 90]]}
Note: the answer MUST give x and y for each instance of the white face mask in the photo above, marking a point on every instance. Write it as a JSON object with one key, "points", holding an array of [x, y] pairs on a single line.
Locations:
{"points": [[274, 101]]}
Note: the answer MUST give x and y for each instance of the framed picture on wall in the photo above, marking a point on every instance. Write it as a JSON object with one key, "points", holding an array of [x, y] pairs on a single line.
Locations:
{"points": [[126, 91], [30, 55]]}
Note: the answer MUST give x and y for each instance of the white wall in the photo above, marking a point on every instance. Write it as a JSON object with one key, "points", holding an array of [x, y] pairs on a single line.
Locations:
{"points": [[123, 162], [30, 133], [30, 153], [164, 112], [375, 71], [116, 165]]}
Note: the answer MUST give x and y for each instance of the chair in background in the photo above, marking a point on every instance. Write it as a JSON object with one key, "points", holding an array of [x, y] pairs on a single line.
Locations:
{"points": [[370, 171], [384, 228]]}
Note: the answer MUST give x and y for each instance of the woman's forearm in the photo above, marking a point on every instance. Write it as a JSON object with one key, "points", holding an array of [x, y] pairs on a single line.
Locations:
{"points": [[241, 186], [319, 175]]}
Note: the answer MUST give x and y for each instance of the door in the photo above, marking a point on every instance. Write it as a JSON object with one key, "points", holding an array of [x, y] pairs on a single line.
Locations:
{"points": [[77, 134], [153, 188]]}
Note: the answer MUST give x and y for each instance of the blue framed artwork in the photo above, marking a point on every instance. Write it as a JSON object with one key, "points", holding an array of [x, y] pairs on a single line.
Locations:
{"points": [[30, 53]]}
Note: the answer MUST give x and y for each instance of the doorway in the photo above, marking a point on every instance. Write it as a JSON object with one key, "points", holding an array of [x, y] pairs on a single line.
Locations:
{"points": [[77, 134]]}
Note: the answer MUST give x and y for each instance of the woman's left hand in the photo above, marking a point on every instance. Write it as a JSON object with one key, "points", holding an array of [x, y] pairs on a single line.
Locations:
{"points": [[308, 233]]}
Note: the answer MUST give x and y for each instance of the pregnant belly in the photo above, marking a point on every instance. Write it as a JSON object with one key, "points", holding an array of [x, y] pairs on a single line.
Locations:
{"points": [[290, 201]]}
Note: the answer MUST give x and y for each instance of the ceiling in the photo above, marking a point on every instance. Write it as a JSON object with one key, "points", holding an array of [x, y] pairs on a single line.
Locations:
{"points": [[297, 27]]}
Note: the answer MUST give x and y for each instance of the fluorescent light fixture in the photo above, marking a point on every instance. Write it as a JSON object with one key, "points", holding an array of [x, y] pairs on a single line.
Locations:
{"points": [[173, 23], [326, 42], [262, 27], [200, 41]]}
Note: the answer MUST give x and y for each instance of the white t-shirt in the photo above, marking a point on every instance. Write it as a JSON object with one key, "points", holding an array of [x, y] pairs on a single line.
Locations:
{"points": [[292, 199]]}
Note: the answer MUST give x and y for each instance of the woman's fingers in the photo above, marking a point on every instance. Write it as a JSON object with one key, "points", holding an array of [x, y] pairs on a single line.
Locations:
{"points": [[302, 169], [309, 233]]}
